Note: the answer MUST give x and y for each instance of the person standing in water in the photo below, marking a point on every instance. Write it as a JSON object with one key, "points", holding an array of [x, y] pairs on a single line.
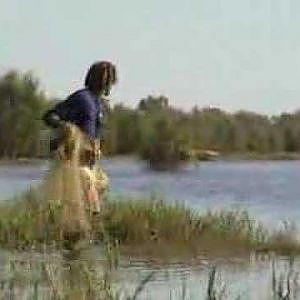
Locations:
{"points": [[84, 110]]}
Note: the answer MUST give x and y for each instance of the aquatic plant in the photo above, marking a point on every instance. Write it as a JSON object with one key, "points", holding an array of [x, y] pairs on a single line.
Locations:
{"points": [[213, 293], [58, 277], [143, 228], [140, 224], [285, 284]]}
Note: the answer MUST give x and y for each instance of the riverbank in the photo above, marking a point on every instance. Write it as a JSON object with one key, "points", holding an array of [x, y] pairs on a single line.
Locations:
{"points": [[250, 156], [215, 156], [261, 156], [149, 228], [22, 161]]}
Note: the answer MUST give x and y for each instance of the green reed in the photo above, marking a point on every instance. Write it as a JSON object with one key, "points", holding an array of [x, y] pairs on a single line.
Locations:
{"points": [[143, 227]]}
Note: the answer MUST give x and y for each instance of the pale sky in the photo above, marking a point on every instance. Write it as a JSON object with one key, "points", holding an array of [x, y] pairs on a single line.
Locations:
{"points": [[233, 54]]}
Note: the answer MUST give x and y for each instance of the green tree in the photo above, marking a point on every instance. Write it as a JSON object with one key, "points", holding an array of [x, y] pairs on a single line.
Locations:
{"points": [[21, 106]]}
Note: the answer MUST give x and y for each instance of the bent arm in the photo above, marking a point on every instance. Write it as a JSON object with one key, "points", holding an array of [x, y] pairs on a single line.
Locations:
{"points": [[52, 119], [57, 116]]}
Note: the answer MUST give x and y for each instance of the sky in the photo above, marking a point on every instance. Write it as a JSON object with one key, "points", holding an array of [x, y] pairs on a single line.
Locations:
{"points": [[233, 54]]}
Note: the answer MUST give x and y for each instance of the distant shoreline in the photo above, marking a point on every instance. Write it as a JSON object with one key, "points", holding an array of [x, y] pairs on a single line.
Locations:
{"points": [[22, 161], [283, 156], [280, 156]]}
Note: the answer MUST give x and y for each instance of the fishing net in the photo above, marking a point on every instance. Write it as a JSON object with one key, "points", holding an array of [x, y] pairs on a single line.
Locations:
{"points": [[73, 184]]}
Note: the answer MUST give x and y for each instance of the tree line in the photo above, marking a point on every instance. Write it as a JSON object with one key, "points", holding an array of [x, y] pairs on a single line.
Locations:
{"points": [[153, 130]]}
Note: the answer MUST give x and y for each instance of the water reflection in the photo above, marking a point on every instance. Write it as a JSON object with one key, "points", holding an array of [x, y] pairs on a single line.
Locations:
{"points": [[32, 275]]}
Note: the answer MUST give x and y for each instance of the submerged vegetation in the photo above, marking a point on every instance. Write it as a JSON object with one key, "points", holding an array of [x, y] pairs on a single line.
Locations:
{"points": [[58, 277]]}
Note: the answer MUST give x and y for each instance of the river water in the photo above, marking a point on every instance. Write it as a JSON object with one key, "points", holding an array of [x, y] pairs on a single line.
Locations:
{"points": [[269, 190]]}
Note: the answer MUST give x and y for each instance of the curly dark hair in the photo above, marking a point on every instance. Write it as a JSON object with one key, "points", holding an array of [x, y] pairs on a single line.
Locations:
{"points": [[100, 77]]}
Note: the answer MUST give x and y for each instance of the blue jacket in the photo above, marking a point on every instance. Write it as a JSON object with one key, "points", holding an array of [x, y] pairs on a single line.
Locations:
{"points": [[81, 108]]}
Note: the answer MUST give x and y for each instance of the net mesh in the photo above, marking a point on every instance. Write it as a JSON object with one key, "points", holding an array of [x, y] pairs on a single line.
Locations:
{"points": [[73, 184]]}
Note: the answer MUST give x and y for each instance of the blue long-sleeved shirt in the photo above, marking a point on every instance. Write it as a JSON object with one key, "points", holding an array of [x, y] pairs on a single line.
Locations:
{"points": [[83, 109]]}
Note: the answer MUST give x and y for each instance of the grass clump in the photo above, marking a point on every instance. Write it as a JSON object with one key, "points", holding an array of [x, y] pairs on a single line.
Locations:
{"points": [[145, 227], [140, 225], [27, 220]]}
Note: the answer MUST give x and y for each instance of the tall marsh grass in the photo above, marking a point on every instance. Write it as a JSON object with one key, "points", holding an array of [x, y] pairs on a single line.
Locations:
{"points": [[144, 227]]}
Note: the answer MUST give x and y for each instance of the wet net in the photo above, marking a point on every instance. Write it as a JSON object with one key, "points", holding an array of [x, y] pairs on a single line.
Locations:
{"points": [[74, 184]]}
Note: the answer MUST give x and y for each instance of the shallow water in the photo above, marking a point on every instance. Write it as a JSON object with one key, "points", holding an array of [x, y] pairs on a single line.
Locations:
{"points": [[269, 190], [250, 279]]}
